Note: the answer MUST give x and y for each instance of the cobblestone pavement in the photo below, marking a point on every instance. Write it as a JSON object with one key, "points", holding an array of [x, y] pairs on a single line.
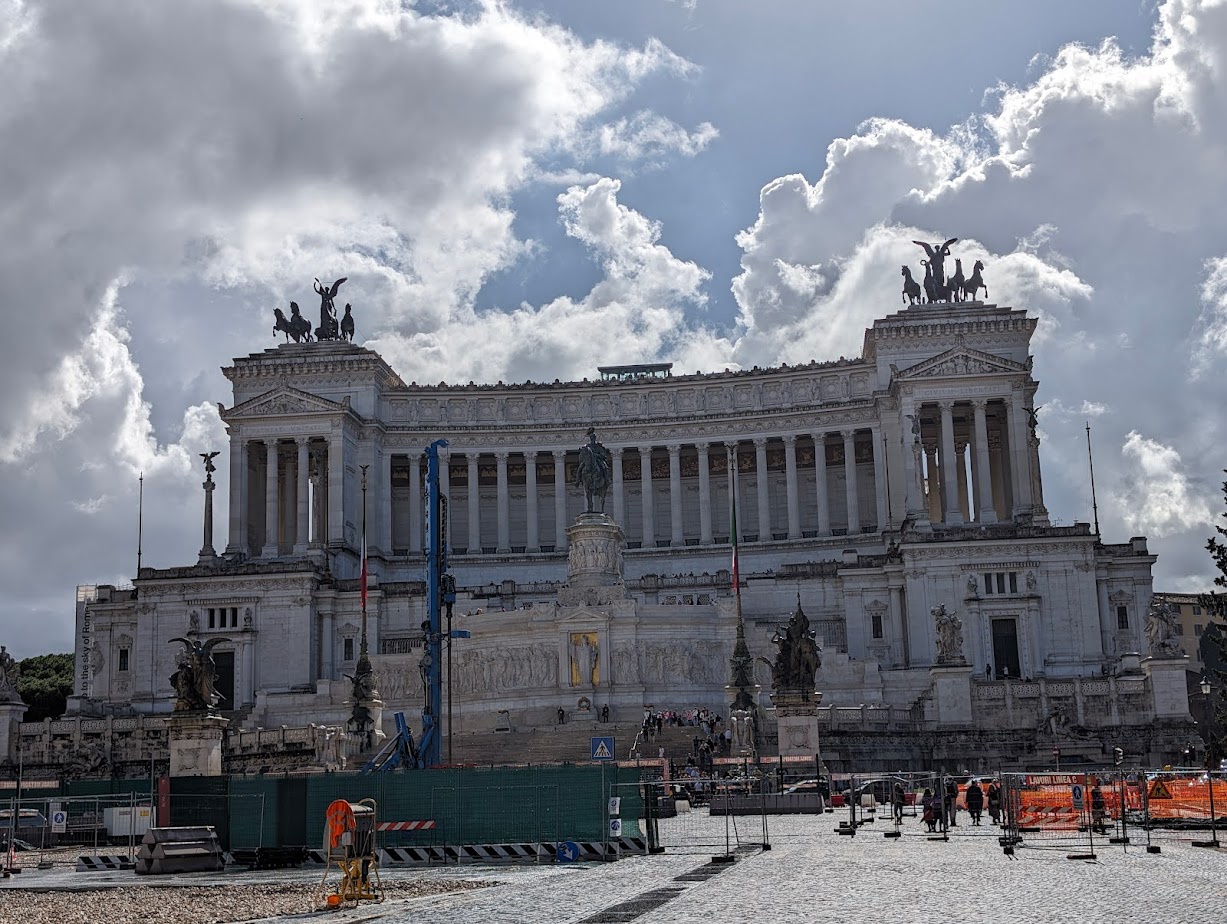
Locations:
{"points": [[813, 875]]}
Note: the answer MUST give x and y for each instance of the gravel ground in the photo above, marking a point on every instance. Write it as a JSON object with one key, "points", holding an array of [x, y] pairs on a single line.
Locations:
{"points": [[195, 904]]}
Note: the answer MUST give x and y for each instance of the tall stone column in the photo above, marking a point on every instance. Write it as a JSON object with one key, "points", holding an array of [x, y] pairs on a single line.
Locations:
{"points": [[619, 497], [416, 527], [676, 537], [474, 544], [790, 480], [336, 489], [533, 532], [645, 487], [986, 512], [270, 500], [504, 504], [560, 500], [881, 479], [1020, 468], [237, 544], [933, 500], [1039, 512], [960, 453], [384, 499], [998, 468], [820, 484], [207, 554], [764, 497], [302, 481], [950, 479], [854, 510], [705, 530]]}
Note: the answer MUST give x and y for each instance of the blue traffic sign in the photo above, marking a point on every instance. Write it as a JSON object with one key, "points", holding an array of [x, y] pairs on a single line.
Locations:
{"points": [[568, 852], [603, 748]]}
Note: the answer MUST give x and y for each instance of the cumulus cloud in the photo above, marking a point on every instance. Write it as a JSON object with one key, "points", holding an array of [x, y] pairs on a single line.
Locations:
{"points": [[643, 295], [1157, 497], [1090, 193]]}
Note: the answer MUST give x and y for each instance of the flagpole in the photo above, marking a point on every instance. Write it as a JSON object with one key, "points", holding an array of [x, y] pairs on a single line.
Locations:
{"points": [[741, 686]]}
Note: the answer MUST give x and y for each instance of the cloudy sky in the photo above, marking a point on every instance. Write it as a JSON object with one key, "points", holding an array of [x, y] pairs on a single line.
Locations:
{"points": [[727, 183]]}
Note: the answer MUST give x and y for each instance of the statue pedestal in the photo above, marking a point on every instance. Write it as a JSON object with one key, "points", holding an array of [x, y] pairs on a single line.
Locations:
{"points": [[952, 693], [11, 713], [1168, 686], [375, 709], [796, 717], [594, 562], [196, 743]]}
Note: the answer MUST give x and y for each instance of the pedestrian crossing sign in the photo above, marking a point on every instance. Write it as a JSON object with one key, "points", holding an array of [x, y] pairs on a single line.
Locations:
{"points": [[603, 748]]}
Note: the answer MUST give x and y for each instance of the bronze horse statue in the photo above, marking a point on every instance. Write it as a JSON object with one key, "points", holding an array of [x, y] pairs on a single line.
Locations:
{"points": [[911, 288], [295, 326]]}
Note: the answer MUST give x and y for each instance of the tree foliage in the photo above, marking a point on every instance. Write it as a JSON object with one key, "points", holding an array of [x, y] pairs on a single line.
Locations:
{"points": [[45, 683]]}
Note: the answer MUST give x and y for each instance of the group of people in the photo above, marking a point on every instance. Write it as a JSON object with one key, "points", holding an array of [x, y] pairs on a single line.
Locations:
{"points": [[944, 803]]}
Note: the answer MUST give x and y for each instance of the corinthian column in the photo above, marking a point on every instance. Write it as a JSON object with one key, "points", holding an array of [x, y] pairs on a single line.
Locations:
{"points": [[560, 500], [533, 538], [270, 500], [705, 532], [504, 504], [238, 499], [675, 495], [474, 505], [645, 487], [302, 479], [820, 484], [416, 529], [764, 498], [854, 511], [985, 512], [790, 478], [619, 500], [950, 480]]}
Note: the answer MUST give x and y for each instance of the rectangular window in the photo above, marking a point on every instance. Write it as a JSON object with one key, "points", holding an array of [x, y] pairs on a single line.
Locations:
{"points": [[348, 647], [1196, 610], [988, 583], [1122, 617], [1197, 627], [1180, 628], [1013, 582], [212, 618], [877, 626], [123, 658], [1000, 582], [234, 617]]}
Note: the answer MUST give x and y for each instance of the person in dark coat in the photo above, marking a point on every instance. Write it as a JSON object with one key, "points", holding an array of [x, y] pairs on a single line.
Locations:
{"points": [[994, 802], [975, 802], [952, 802], [931, 805]]}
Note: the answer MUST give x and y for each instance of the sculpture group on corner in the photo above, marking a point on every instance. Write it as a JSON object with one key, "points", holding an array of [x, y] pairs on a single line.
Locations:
{"points": [[298, 328], [937, 288], [798, 658], [195, 679]]}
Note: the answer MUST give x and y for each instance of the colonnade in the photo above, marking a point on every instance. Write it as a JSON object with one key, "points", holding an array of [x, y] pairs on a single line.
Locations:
{"points": [[790, 486]]}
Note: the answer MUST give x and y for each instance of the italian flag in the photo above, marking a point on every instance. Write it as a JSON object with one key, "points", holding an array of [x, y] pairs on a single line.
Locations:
{"points": [[733, 519]]}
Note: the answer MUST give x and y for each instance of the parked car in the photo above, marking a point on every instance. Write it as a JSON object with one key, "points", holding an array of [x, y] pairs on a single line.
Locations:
{"points": [[819, 785], [880, 788]]}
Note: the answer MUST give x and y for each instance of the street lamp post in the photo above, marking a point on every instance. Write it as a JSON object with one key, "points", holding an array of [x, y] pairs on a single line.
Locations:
{"points": [[1211, 759]]}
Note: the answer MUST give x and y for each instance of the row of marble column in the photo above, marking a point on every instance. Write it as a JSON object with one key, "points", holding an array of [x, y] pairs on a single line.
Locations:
{"points": [[616, 503], [1004, 465], [310, 522]]}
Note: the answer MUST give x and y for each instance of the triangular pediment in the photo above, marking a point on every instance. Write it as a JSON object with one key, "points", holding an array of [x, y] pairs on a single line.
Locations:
{"points": [[283, 401], [961, 361]]}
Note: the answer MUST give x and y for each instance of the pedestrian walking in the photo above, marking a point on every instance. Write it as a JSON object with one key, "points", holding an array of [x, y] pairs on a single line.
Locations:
{"points": [[975, 802], [952, 802], [896, 802], [993, 797], [930, 806], [1099, 809]]}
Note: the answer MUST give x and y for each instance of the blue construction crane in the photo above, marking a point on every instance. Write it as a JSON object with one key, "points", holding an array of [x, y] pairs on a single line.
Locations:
{"points": [[401, 751]]}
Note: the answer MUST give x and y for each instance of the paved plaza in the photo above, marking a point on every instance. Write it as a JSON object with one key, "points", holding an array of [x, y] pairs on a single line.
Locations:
{"points": [[810, 874]]}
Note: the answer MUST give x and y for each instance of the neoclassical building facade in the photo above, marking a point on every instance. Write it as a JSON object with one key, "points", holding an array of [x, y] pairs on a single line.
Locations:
{"points": [[869, 492]]}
